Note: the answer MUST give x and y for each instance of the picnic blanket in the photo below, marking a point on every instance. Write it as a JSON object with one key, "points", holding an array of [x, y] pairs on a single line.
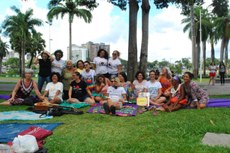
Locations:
{"points": [[127, 110], [218, 103], [74, 105], [6, 97], [8, 131], [21, 115]]}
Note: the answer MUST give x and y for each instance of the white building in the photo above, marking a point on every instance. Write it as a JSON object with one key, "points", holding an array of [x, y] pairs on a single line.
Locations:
{"points": [[86, 51], [78, 53]]}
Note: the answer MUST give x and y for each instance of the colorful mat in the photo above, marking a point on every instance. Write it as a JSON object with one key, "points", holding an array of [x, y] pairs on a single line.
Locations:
{"points": [[218, 103], [74, 105], [21, 115], [127, 110], [5, 97], [9, 131]]}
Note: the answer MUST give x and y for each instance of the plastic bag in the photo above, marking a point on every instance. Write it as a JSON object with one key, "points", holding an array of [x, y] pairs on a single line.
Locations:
{"points": [[25, 144]]}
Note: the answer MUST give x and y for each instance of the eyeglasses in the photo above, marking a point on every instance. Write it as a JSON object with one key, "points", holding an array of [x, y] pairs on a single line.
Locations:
{"points": [[112, 81], [114, 54], [86, 64]]}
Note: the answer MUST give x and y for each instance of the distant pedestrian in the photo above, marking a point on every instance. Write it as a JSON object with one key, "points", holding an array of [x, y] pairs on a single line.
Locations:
{"points": [[222, 71], [212, 74]]}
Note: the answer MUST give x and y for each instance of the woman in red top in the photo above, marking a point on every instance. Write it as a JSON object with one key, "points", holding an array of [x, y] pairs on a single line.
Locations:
{"points": [[165, 80]]}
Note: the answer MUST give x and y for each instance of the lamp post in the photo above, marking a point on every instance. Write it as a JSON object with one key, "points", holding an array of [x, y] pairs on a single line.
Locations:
{"points": [[49, 23], [201, 59]]}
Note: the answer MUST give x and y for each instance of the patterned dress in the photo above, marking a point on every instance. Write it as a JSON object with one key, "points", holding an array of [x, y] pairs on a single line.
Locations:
{"points": [[194, 92], [22, 93]]}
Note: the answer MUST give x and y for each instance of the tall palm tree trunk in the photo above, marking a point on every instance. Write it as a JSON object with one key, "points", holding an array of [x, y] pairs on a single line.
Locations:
{"points": [[70, 40], [222, 49], [194, 51], [212, 51], [204, 57], [226, 54], [132, 48], [1, 65], [31, 60], [145, 36]]}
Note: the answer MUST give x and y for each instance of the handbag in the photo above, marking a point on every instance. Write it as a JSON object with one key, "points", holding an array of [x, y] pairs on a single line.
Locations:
{"points": [[60, 110]]}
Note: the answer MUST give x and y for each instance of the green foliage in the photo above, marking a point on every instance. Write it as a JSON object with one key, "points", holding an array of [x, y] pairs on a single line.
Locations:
{"points": [[12, 65], [184, 4], [3, 49], [220, 7], [71, 8], [20, 29]]}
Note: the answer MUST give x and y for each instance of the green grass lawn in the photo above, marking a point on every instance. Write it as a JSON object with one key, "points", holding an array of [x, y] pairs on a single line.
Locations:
{"points": [[176, 132]]}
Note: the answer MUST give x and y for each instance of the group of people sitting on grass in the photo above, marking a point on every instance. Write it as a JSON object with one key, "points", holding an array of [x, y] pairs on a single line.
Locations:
{"points": [[105, 84]]}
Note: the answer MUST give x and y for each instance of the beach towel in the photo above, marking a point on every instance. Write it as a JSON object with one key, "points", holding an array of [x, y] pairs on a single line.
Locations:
{"points": [[74, 105], [5, 97], [8, 131], [127, 110], [21, 115], [218, 103]]}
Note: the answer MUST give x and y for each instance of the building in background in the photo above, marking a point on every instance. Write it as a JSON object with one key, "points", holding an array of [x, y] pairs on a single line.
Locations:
{"points": [[87, 51]]}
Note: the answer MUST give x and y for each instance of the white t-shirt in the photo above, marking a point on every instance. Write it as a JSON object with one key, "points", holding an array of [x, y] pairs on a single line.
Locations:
{"points": [[101, 65], [58, 66], [88, 76], [139, 87], [116, 94], [153, 88], [112, 65], [53, 88], [212, 68]]}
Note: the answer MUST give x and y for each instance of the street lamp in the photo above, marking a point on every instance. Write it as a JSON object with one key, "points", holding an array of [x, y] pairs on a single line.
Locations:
{"points": [[50, 24], [201, 59]]}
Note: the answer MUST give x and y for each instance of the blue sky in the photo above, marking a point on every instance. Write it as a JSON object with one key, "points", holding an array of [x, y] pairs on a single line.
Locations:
{"points": [[110, 25]]}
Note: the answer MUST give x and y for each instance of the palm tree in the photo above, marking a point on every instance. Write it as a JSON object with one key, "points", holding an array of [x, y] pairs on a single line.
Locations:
{"points": [[222, 30], [37, 44], [72, 8], [205, 25], [3, 51], [19, 27]]}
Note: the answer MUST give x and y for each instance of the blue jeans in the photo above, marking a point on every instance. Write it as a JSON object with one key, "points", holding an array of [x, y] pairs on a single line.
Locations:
{"points": [[41, 81]]}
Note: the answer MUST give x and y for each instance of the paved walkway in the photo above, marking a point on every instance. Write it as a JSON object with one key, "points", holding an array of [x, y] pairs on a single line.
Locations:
{"points": [[217, 89]]}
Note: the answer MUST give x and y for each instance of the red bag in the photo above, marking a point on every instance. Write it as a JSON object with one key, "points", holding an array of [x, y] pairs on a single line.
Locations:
{"points": [[37, 132]]}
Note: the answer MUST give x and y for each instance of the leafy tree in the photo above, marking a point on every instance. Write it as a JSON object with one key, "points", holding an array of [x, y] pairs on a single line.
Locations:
{"points": [[12, 65], [187, 6], [3, 51], [220, 9], [35, 45], [19, 28], [72, 8]]}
